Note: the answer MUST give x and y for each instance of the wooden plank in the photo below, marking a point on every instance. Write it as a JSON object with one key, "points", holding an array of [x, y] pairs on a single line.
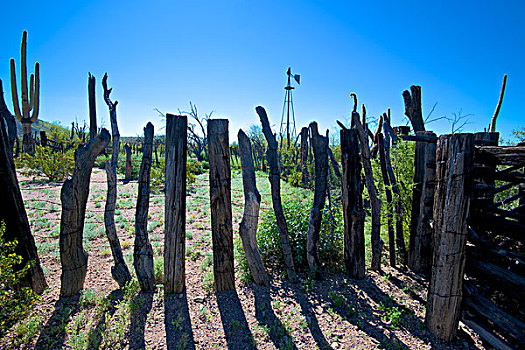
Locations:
{"points": [[420, 137], [507, 155], [487, 335], [498, 317], [509, 283]]}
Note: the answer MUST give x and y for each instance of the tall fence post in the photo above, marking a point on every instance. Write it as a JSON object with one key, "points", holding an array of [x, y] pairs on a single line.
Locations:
{"points": [[221, 204], [175, 208], [143, 252], [74, 196], [353, 213], [420, 248], [454, 155], [252, 203]]}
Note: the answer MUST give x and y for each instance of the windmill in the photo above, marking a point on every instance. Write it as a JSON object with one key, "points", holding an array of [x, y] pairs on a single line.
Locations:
{"points": [[288, 116]]}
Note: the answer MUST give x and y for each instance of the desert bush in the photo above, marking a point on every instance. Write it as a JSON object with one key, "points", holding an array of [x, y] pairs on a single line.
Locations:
{"points": [[55, 166], [297, 215], [15, 301]]}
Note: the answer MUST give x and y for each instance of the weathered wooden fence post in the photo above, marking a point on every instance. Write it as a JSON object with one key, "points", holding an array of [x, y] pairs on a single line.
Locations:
{"points": [[127, 174], [320, 146], [353, 213], [221, 204], [275, 183], [9, 120], [304, 156], [420, 247], [375, 202], [92, 107], [451, 207], [143, 253], [252, 202], [119, 271], [388, 193], [175, 208], [74, 196], [13, 213]]}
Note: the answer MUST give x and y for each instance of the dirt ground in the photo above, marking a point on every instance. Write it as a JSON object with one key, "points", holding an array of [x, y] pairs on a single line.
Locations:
{"points": [[383, 311]]}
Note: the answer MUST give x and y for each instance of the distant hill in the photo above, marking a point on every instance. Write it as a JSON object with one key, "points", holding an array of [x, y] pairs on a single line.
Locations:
{"points": [[38, 126]]}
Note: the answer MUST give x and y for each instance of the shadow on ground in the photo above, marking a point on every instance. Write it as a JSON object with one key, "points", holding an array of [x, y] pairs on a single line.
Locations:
{"points": [[140, 307], [177, 322], [236, 329], [267, 319], [53, 334]]}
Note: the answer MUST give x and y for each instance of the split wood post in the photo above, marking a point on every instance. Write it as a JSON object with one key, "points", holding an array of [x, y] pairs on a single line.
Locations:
{"points": [[119, 271], [492, 126], [304, 156], [353, 213], [143, 253], [221, 204], [400, 237], [92, 107], [9, 120], [275, 184], [413, 108], [13, 214], [375, 202], [320, 147], [451, 207], [420, 248], [175, 208], [252, 202], [74, 196], [128, 172], [388, 192]]}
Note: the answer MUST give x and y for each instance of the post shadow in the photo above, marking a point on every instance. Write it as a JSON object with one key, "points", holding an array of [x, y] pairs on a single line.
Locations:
{"points": [[140, 307], [313, 322], [177, 322], [236, 329], [266, 317], [53, 334], [95, 333]]}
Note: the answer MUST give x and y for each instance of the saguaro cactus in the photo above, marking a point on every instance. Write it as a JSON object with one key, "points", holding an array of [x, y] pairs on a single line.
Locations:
{"points": [[31, 102]]}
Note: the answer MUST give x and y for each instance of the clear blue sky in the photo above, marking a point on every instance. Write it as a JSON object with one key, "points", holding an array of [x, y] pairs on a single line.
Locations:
{"points": [[230, 56]]}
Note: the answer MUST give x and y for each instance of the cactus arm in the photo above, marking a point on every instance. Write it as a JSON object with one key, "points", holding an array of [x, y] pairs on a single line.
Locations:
{"points": [[14, 92], [23, 72], [31, 90], [35, 100]]}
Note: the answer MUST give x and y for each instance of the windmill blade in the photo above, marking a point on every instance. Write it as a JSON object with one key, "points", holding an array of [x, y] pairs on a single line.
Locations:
{"points": [[297, 78]]}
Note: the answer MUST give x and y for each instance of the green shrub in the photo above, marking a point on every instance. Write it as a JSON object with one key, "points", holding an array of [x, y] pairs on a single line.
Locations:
{"points": [[297, 214], [56, 166], [158, 267], [15, 302]]}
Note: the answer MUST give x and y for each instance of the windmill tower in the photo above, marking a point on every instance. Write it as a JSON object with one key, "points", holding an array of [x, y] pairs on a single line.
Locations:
{"points": [[287, 128]]}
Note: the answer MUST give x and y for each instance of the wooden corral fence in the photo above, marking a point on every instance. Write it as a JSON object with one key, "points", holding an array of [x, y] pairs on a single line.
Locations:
{"points": [[494, 287], [466, 232]]}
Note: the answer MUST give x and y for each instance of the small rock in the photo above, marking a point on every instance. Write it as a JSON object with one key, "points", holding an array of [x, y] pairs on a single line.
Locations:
{"points": [[181, 295], [334, 345], [199, 299]]}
